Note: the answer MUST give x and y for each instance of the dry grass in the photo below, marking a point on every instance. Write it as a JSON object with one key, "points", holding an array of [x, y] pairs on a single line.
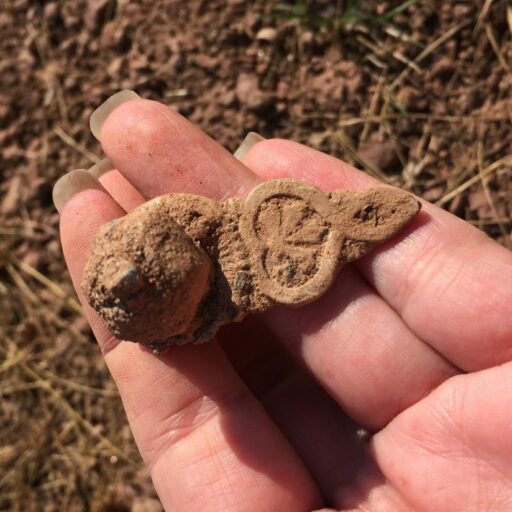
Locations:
{"points": [[421, 100]]}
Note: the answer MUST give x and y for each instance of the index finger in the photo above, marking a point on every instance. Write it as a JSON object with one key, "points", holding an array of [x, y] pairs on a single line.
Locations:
{"points": [[158, 151], [449, 282]]}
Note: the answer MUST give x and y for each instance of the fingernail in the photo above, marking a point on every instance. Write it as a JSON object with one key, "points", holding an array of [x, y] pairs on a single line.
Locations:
{"points": [[72, 183], [101, 167], [250, 139], [99, 116]]}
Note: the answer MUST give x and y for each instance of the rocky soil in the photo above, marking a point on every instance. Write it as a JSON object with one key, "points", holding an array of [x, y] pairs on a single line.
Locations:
{"points": [[417, 93]]}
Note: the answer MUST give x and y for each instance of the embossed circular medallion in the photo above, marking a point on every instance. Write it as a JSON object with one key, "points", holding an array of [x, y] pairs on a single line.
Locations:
{"points": [[293, 245]]}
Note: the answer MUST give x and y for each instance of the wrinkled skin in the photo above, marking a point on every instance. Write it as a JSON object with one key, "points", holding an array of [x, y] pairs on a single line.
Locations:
{"points": [[413, 344]]}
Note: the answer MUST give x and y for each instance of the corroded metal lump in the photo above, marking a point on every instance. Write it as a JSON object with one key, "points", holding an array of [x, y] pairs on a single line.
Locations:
{"points": [[180, 266]]}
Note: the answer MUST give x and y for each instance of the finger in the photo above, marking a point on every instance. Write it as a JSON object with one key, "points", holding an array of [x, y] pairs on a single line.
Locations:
{"points": [[370, 492], [81, 216], [325, 438], [450, 283], [123, 192], [456, 436], [360, 350], [208, 442], [159, 151]]}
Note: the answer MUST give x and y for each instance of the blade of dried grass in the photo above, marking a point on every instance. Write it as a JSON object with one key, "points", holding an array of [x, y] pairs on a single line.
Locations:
{"points": [[17, 388], [12, 358], [372, 109], [488, 195], [496, 48], [405, 60], [475, 179], [483, 13], [20, 283], [509, 18], [33, 305], [68, 301], [75, 386], [64, 405], [66, 138], [10, 231], [421, 116], [432, 47]]}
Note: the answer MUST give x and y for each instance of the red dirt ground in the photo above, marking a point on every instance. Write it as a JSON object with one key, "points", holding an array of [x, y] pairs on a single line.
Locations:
{"points": [[416, 93]]}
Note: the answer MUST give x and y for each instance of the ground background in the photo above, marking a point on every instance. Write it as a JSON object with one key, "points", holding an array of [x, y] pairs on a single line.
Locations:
{"points": [[416, 92]]}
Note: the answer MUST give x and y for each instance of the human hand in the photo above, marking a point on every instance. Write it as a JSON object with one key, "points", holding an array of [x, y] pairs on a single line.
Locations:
{"points": [[412, 343]]}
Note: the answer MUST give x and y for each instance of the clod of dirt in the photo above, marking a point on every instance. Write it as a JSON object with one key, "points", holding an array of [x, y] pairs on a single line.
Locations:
{"points": [[249, 93], [180, 266]]}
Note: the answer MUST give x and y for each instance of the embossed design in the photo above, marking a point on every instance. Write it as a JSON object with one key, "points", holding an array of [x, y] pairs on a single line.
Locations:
{"points": [[295, 247], [293, 236]]}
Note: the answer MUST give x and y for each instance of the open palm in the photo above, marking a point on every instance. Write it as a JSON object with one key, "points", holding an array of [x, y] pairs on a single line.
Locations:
{"points": [[392, 392]]}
